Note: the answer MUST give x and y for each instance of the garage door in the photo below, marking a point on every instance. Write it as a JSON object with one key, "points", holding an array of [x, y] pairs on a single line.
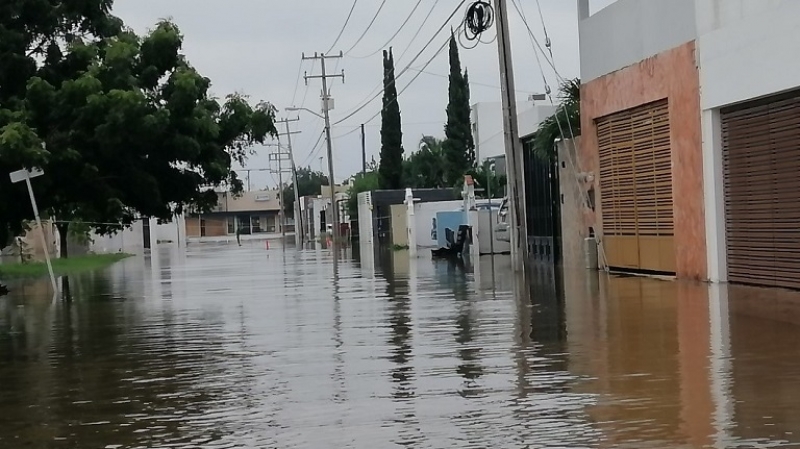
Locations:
{"points": [[761, 165], [636, 188]]}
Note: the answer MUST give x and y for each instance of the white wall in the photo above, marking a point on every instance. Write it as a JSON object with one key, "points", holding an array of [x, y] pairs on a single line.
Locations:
{"points": [[629, 31], [424, 213], [746, 50], [128, 240], [487, 120]]}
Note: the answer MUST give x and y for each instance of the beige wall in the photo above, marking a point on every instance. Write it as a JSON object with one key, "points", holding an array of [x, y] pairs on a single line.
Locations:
{"points": [[262, 200]]}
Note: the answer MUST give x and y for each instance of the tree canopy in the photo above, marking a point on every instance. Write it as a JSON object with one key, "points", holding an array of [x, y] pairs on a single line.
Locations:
{"points": [[566, 118], [391, 162], [122, 125], [459, 145], [310, 182], [425, 168]]}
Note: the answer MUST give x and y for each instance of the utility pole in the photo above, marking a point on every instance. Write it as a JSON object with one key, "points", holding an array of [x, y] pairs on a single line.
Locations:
{"points": [[327, 105], [514, 159], [363, 150], [277, 156], [298, 222]]}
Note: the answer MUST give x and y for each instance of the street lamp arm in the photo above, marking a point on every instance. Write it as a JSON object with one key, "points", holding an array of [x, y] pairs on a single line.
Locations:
{"points": [[305, 109]]}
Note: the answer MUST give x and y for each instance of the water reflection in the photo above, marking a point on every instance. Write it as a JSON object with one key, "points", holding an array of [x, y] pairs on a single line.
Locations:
{"points": [[225, 347]]}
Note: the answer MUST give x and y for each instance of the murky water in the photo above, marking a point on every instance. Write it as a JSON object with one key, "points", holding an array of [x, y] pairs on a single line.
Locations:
{"points": [[229, 347]]}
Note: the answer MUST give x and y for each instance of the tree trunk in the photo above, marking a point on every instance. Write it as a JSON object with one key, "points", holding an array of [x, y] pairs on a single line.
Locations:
{"points": [[63, 234]]}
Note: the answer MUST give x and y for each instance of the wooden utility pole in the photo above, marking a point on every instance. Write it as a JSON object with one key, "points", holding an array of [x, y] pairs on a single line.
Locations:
{"points": [[327, 105], [514, 153], [298, 222], [363, 150]]}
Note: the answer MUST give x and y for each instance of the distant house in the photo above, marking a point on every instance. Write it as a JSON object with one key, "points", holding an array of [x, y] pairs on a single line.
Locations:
{"points": [[256, 212]]}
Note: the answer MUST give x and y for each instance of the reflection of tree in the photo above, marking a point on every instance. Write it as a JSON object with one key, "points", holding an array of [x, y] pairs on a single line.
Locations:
{"points": [[103, 366], [400, 340], [397, 292]]}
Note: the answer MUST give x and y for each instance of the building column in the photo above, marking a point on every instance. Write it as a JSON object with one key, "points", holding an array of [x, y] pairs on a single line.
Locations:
{"points": [[583, 9], [714, 196]]}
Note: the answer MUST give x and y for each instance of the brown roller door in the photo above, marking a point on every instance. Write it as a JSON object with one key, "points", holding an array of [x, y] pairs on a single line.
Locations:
{"points": [[636, 188], [761, 166]]}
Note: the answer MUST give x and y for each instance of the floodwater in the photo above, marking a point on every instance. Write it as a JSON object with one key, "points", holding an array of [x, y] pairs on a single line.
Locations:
{"points": [[243, 347]]}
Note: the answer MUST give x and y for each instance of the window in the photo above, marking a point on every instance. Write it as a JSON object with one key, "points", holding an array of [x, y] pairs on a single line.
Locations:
{"points": [[231, 225]]}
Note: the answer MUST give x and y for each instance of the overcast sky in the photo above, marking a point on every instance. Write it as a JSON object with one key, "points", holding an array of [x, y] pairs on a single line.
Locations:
{"points": [[255, 47]]}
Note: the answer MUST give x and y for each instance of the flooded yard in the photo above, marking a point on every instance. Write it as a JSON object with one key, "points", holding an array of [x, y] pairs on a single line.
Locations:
{"points": [[224, 346]]}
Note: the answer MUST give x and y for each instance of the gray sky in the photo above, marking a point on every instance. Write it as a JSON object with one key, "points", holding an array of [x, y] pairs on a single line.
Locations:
{"points": [[255, 46]]}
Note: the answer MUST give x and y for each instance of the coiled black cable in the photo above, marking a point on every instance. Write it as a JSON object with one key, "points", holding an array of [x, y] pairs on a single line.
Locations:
{"points": [[479, 18]]}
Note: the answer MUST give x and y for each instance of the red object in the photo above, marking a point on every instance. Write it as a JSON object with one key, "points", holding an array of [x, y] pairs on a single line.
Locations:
{"points": [[267, 244]]}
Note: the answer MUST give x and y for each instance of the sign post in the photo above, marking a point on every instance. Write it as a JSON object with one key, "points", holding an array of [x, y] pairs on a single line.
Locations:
{"points": [[27, 175]]}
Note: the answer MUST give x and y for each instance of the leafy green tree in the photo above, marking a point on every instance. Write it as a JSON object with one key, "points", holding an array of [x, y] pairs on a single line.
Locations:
{"points": [[310, 182], [362, 182], [425, 168], [391, 162], [123, 125], [492, 185], [567, 116], [459, 145], [32, 34]]}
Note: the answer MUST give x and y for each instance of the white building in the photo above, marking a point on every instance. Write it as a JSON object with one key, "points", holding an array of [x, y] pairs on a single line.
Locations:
{"points": [[487, 125]]}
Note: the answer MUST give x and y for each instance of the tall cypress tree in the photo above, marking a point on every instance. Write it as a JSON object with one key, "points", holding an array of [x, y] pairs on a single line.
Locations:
{"points": [[459, 146], [391, 164]]}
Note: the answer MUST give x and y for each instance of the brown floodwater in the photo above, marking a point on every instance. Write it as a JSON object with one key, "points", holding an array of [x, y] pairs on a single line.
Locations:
{"points": [[243, 347]]}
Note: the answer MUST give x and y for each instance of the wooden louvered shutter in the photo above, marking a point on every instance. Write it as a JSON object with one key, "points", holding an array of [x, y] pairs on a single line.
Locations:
{"points": [[636, 188], [760, 143]]}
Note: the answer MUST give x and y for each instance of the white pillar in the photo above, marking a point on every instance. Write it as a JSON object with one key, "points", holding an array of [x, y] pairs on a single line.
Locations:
{"points": [[411, 224], [714, 195]]}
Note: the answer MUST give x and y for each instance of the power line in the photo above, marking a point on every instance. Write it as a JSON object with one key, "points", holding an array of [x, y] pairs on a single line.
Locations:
{"points": [[447, 41], [472, 83], [370, 97], [408, 67], [419, 30], [405, 22], [372, 22], [314, 150], [297, 83], [349, 15]]}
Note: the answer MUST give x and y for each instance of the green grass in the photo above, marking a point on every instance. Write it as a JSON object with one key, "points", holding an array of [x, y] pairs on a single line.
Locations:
{"points": [[71, 265]]}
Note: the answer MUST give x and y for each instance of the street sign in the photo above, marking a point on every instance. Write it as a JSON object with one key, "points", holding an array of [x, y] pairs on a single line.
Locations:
{"points": [[21, 175]]}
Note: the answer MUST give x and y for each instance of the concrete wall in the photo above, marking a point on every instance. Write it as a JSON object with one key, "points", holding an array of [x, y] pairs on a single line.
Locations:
{"points": [[673, 75], [487, 125], [424, 213], [399, 224], [576, 215], [261, 200], [629, 31]]}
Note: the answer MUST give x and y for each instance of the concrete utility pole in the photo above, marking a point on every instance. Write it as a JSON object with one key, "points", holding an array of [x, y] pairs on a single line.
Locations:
{"points": [[514, 158], [327, 105], [278, 156], [363, 150], [298, 222]]}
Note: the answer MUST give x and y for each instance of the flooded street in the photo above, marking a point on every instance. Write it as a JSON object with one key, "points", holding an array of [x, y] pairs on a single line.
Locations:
{"points": [[240, 347]]}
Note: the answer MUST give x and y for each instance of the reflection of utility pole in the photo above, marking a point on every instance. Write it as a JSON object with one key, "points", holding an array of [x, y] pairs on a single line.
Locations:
{"points": [[514, 160], [298, 235], [279, 156], [327, 105]]}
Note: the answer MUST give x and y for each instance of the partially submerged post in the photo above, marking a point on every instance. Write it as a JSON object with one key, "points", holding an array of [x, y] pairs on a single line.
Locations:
{"points": [[27, 175]]}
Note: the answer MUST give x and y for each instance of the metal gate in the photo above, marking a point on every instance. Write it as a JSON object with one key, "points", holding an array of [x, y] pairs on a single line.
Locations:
{"points": [[543, 206], [761, 162], [636, 188]]}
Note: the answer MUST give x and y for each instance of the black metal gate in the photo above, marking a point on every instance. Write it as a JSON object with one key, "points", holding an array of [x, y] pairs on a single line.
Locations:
{"points": [[543, 204]]}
